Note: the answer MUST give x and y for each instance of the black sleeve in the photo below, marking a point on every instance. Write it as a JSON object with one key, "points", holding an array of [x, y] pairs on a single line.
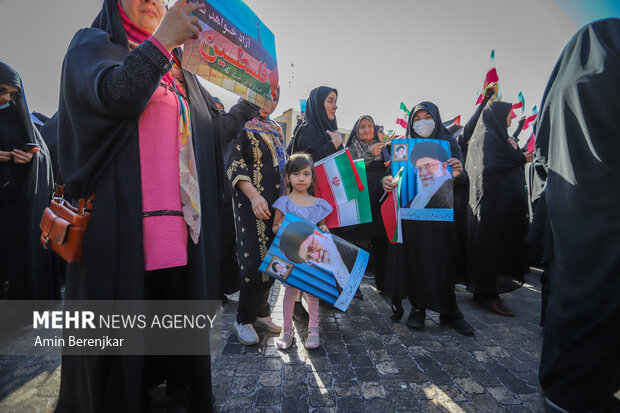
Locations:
{"points": [[127, 88], [309, 141], [469, 127], [515, 135], [232, 123], [237, 166], [456, 152]]}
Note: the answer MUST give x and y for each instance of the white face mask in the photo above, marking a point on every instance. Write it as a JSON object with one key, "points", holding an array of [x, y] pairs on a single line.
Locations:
{"points": [[424, 127]]}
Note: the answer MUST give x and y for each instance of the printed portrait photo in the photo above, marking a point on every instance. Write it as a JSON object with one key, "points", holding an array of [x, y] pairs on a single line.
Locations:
{"points": [[279, 268]]}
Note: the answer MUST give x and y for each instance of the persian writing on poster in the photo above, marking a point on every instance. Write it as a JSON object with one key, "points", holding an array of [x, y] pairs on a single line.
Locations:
{"points": [[426, 192], [234, 50]]}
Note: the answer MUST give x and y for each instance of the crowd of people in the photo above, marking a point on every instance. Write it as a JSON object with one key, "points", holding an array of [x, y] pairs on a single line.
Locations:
{"points": [[163, 200]]}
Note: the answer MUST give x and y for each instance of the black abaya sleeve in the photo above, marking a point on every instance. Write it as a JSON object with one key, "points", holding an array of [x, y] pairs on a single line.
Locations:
{"points": [[515, 135], [469, 127], [456, 152], [314, 144], [237, 166], [125, 89], [103, 91]]}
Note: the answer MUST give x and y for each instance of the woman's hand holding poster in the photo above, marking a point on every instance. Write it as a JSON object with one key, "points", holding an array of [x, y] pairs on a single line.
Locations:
{"points": [[426, 192], [318, 263]]}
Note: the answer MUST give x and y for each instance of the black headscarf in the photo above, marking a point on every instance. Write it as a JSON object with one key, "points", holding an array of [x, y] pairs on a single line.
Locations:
{"points": [[24, 194], [577, 142], [440, 132], [311, 136], [491, 138], [17, 129]]}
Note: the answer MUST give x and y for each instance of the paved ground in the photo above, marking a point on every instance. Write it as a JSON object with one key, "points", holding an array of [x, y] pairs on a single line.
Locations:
{"points": [[366, 363]]}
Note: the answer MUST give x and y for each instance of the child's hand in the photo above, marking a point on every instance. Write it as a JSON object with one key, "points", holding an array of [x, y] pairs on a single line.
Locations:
{"points": [[324, 228]]}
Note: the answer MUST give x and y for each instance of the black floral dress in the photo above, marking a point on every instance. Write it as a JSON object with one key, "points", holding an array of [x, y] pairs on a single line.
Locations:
{"points": [[253, 158]]}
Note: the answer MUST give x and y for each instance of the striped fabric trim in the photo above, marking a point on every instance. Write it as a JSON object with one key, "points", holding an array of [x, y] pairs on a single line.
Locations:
{"points": [[162, 213]]}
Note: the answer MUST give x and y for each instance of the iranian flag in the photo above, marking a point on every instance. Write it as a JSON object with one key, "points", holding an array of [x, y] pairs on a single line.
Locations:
{"points": [[401, 122], [390, 212], [531, 119], [353, 212], [337, 179], [531, 143], [520, 104]]}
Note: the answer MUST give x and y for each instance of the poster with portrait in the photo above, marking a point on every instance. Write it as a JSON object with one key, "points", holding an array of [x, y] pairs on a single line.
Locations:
{"points": [[317, 263], [426, 192], [234, 50]]}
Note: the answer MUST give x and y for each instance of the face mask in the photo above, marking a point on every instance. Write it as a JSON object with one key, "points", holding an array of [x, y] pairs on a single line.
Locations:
{"points": [[6, 105], [424, 127]]}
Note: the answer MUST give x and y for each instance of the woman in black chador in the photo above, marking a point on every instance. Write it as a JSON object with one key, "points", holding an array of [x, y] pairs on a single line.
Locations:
{"points": [[364, 143], [577, 141], [497, 214], [256, 171], [145, 137], [422, 268], [318, 135], [25, 187]]}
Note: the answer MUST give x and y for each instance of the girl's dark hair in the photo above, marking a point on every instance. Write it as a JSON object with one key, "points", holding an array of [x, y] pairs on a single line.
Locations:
{"points": [[296, 162]]}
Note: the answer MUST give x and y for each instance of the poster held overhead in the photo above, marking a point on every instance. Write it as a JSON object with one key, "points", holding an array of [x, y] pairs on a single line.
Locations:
{"points": [[234, 50]]}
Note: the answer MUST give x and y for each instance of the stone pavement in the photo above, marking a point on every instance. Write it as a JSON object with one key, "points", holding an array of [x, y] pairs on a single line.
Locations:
{"points": [[366, 363], [369, 363]]}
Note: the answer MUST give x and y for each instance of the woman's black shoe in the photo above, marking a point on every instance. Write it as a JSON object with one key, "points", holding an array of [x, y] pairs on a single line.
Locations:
{"points": [[458, 324], [416, 319], [398, 311]]}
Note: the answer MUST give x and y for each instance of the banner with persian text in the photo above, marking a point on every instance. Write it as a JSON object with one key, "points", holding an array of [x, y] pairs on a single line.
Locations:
{"points": [[234, 50]]}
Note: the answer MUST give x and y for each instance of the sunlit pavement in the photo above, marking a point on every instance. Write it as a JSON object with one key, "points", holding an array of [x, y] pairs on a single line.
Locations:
{"points": [[369, 363], [366, 363]]}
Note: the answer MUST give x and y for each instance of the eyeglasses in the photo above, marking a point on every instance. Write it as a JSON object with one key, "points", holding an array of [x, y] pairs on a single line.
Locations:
{"points": [[165, 3], [13, 95], [311, 248], [429, 167]]}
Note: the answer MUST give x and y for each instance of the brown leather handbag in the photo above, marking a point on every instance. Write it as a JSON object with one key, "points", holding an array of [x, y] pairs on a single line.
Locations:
{"points": [[63, 225]]}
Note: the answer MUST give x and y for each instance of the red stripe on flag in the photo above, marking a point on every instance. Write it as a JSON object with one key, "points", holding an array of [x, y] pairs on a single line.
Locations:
{"points": [[322, 190], [529, 120], [480, 99], [388, 213], [491, 77], [517, 105], [531, 143], [358, 180]]}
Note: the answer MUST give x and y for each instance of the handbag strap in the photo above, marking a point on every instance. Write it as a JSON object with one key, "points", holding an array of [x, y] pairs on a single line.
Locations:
{"points": [[86, 204]]}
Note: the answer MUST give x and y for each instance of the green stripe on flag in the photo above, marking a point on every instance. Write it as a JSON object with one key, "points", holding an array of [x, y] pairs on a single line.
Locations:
{"points": [[343, 164], [363, 201]]}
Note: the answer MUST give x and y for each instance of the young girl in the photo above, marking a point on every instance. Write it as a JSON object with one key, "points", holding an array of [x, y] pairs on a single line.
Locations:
{"points": [[300, 175]]}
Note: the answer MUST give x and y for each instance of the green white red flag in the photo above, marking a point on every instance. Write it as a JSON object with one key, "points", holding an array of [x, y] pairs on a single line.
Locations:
{"points": [[531, 119], [337, 178], [520, 104], [390, 212], [404, 109], [353, 212]]}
